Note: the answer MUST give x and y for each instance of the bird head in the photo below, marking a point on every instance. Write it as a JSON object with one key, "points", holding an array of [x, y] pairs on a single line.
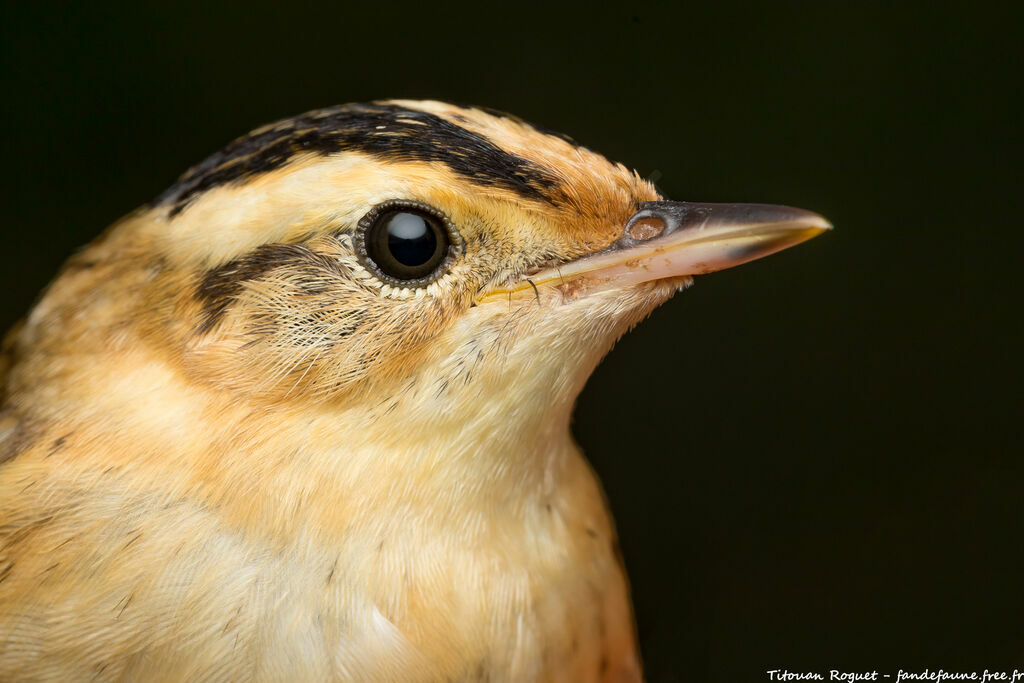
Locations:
{"points": [[410, 258], [327, 377]]}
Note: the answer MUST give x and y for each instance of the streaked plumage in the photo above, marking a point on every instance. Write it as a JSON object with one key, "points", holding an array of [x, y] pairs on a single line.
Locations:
{"points": [[230, 451]]}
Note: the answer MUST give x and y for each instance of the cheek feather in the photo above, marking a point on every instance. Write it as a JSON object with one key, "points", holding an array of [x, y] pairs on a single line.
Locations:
{"points": [[265, 454], [310, 319], [220, 286]]}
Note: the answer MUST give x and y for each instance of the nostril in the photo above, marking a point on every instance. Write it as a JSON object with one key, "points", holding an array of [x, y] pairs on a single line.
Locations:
{"points": [[646, 228]]}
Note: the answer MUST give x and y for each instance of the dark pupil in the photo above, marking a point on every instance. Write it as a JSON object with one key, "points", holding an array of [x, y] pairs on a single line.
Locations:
{"points": [[411, 240]]}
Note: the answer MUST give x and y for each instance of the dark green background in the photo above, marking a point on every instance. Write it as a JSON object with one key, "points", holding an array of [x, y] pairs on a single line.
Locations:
{"points": [[815, 459]]}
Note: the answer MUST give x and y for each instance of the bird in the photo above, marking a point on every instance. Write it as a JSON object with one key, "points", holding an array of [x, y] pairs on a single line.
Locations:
{"points": [[306, 414]]}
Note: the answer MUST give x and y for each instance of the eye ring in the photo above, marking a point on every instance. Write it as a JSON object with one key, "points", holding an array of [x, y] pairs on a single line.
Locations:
{"points": [[399, 251]]}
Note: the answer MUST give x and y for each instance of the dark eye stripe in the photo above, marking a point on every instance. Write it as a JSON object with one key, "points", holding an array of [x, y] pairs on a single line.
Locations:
{"points": [[218, 286]]}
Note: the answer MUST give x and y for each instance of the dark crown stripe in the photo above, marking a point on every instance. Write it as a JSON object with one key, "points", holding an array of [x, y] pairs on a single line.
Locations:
{"points": [[388, 132]]}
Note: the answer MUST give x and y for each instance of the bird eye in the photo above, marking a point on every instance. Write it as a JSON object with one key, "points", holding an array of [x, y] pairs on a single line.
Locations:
{"points": [[406, 243]]}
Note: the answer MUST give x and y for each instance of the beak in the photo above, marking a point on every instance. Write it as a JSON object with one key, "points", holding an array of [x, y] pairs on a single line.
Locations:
{"points": [[675, 239]]}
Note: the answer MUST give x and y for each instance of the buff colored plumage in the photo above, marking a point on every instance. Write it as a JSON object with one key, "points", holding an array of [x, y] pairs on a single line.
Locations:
{"points": [[229, 451]]}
